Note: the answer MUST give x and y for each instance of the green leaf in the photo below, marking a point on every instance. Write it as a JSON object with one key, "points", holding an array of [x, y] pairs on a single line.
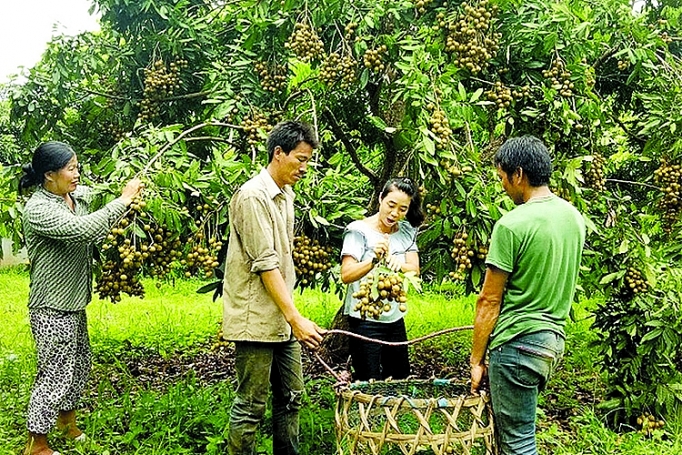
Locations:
{"points": [[624, 246], [611, 277]]}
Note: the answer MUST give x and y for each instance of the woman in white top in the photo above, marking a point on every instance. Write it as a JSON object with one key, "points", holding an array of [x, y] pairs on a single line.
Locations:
{"points": [[384, 235]]}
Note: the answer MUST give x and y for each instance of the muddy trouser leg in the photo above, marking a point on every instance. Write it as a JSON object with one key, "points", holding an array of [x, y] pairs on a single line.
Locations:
{"points": [[253, 362], [287, 397]]}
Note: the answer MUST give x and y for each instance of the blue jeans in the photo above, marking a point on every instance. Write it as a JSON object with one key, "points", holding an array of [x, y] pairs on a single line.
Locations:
{"points": [[518, 371], [259, 367], [374, 360]]}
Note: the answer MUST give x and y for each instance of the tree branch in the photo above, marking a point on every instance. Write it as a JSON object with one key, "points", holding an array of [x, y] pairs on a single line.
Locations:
{"points": [[630, 182], [350, 148], [170, 98], [181, 136]]}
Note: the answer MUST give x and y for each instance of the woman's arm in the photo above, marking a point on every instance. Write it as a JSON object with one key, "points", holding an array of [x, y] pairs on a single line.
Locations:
{"points": [[352, 270]]}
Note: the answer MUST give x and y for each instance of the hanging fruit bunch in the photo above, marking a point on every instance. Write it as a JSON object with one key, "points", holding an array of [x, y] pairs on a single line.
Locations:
{"points": [[470, 37], [648, 423], [349, 30], [273, 77], [381, 289], [160, 82], [464, 253], [337, 69], [421, 5], [440, 126], [521, 93], [560, 78], [374, 59], [633, 284], [204, 245], [310, 259], [305, 42], [594, 176], [453, 169], [254, 126], [133, 247], [669, 178], [500, 94]]}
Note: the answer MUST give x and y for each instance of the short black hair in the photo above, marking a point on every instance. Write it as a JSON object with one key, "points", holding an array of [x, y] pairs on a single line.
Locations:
{"points": [[49, 156], [415, 215], [528, 153], [288, 134]]}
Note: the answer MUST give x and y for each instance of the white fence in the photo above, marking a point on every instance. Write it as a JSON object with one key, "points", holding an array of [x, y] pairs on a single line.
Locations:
{"points": [[8, 258]]}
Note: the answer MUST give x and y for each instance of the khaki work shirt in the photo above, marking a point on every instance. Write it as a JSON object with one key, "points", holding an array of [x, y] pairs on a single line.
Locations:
{"points": [[261, 239]]}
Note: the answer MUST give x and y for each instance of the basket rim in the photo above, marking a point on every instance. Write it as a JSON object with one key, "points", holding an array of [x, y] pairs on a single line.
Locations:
{"points": [[352, 391]]}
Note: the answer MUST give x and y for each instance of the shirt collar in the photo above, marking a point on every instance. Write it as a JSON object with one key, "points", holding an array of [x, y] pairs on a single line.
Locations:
{"points": [[76, 194], [272, 188]]}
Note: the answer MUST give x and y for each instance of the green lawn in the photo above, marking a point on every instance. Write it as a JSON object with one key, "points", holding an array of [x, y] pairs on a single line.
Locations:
{"points": [[131, 413]]}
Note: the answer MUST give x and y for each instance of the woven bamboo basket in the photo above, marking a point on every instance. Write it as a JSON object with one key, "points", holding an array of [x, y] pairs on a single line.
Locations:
{"points": [[413, 416]]}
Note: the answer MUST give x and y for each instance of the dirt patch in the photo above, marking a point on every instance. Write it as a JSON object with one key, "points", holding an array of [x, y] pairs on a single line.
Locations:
{"points": [[214, 362]]}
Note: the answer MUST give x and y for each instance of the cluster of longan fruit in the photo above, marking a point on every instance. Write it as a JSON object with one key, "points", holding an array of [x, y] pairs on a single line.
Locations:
{"points": [[433, 209], [462, 256], [453, 169], [669, 178], [421, 5], [594, 176], [159, 83], [523, 92], [560, 78], [202, 258], [389, 289], [440, 126], [126, 254], [623, 65], [273, 78], [338, 69], [634, 283], [374, 59], [113, 129], [500, 94], [253, 125], [305, 42], [310, 258], [349, 30], [220, 342], [163, 251], [470, 37], [648, 423]]}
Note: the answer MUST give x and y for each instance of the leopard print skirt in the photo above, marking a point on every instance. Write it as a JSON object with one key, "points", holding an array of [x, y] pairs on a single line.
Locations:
{"points": [[64, 361]]}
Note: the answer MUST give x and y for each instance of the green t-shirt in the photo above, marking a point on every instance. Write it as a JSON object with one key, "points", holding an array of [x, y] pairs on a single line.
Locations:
{"points": [[539, 244]]}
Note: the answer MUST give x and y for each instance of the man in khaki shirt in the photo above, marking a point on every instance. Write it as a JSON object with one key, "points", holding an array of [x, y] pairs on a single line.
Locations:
{"points": [[259, 313]]}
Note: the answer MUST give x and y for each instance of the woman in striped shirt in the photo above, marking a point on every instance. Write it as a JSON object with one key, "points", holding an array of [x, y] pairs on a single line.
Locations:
{"points": [[60, 236]]}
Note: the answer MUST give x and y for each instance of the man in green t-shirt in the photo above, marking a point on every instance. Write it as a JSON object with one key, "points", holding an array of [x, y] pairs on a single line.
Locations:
{"points": [[530, 280]]}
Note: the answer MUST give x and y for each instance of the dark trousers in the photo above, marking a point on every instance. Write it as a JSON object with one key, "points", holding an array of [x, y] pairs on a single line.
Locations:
{"points": [[376, 361], [262, 367]]}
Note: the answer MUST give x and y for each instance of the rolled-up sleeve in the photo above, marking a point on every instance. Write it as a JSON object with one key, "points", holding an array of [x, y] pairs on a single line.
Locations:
{"points": [[354, 244], [255, 227]]}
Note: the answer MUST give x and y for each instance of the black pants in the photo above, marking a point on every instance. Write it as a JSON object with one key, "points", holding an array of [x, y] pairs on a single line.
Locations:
{"points": [[377, 361]]}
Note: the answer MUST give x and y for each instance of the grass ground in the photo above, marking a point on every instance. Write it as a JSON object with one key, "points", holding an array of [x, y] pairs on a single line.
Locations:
{"points": [[157, 386]]}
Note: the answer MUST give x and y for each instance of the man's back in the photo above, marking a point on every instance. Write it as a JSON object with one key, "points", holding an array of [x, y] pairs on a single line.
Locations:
{"points": [[539, 244]]}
